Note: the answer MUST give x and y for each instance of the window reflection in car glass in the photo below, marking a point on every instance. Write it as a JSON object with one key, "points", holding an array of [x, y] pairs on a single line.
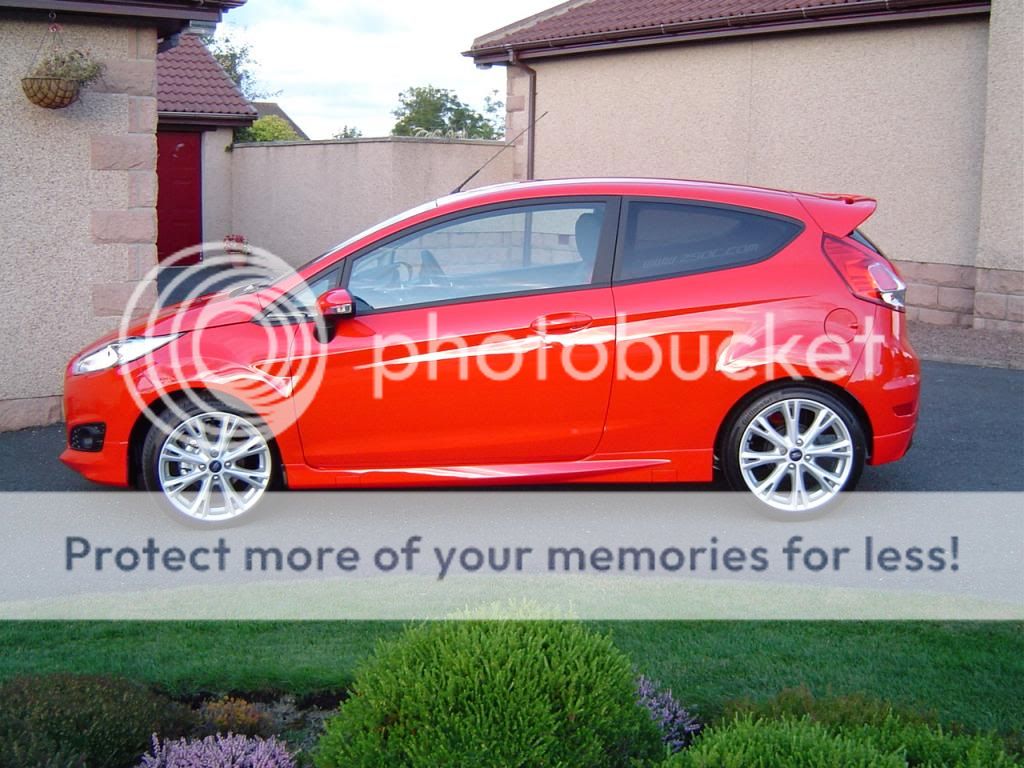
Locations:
{"points": [[531, 248]]}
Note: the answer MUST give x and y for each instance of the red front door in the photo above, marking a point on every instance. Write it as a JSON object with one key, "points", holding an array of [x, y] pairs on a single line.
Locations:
{"points": [[179, 204]]}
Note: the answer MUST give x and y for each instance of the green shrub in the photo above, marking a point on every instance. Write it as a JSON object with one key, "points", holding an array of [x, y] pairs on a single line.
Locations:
{"points": [[267, 128], [21, 747], [496, 693], [107, 721], [915, 734], [746, 742], [831, 711], [931, 746], [232, 715]]}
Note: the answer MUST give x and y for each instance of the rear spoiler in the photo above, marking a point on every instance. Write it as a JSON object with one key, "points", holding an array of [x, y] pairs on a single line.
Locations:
{"points": [[838, 215]]}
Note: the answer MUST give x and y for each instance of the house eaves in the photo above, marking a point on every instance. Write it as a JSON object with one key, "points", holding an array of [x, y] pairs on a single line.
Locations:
{"points": [[516, 42], [168, 16]]}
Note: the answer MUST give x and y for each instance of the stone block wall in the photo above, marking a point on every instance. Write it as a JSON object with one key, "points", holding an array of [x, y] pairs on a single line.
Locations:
{"points": [[77, 205]]}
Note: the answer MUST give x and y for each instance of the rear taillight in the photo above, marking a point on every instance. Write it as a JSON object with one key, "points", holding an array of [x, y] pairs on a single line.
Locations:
{"points": [[868, 275]]}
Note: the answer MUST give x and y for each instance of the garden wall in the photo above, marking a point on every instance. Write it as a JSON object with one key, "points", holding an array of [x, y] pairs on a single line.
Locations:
{"points": [[297, 199]]}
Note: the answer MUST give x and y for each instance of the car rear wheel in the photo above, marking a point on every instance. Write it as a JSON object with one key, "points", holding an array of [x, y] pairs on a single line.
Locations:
{"points": [[209, 467], [796, 450]]}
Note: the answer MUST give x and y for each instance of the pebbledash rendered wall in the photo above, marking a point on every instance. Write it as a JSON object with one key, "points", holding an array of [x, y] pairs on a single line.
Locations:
{"points": [[297, 199], [77, 207], [924, 116]]}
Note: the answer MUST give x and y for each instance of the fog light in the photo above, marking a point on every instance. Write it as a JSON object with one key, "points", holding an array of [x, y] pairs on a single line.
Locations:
{"points": [[87, 437]]}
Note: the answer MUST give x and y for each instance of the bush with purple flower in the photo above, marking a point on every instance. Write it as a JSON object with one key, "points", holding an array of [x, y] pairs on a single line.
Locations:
{"points": [[218, 751], [678, 727]]}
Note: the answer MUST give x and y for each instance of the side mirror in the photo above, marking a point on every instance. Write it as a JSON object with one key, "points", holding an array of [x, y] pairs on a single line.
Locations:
{"points": [[336, 304]]}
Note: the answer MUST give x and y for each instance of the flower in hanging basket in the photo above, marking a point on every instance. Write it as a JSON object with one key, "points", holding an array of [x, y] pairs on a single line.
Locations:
{"points": [[55, 81], [236, 247]]}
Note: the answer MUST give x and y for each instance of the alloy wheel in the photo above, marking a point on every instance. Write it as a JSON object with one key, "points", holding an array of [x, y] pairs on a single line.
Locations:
{"points": [[214, 466], [796, 455]]}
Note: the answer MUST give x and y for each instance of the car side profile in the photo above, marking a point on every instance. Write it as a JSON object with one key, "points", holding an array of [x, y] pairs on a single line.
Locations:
{"points": [[576, 331]]}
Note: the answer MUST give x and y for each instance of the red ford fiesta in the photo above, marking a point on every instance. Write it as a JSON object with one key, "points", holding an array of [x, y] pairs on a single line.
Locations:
{"points": [[585, 330]]}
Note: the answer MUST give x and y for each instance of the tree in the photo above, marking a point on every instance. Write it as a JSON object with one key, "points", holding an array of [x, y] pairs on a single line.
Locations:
{"points": [[494, 109], [237, 61], [269, 128], [429, 111], [348, 132]]}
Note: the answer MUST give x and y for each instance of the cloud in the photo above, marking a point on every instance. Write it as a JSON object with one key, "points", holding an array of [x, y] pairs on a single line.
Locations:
{"points": [[344, 62]]}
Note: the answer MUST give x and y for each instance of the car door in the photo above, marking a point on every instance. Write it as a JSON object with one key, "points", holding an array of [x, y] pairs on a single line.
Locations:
{"points": [[486, 337]]}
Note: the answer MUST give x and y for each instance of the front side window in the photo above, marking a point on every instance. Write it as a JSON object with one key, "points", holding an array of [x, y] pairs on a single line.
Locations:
{"points": [[664, 239], [507, 251]]}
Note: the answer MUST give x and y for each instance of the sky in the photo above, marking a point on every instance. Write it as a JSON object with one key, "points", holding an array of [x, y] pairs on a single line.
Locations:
{"points": [[344, 62]]}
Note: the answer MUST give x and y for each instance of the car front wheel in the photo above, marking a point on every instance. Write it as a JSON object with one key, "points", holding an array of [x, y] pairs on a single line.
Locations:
{"points": [[795, 449], [209, 467]]}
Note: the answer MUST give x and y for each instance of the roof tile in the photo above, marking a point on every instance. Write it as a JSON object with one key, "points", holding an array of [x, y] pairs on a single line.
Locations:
{"points": [[624, 18], [189, 79]]}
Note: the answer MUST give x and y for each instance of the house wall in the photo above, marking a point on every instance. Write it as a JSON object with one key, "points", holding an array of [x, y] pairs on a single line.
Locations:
{"points": [[299, 199], [895, 111], [999, 296], [77, 206]]}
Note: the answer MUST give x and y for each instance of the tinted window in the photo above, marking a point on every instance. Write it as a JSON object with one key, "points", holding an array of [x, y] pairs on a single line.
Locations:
{"points": [[512, 250], [861, 238], [677, 239]]}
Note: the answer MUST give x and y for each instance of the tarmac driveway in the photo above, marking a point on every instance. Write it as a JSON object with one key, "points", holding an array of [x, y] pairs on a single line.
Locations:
{"points": [[971, 438]]}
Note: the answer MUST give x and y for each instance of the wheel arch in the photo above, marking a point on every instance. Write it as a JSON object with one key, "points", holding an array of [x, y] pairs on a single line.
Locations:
{"points": [[143, 424], [776, 384]]}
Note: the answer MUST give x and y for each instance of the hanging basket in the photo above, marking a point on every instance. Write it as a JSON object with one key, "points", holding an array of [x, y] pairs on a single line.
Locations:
{"points": [[51, 92], [57, 74]]}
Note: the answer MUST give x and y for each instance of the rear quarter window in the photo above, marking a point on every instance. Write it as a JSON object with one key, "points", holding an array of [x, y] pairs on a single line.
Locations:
{"points": [[664, 239]]}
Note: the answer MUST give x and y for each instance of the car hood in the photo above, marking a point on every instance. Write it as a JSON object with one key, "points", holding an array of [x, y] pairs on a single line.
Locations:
{"points": [[212, 311]]}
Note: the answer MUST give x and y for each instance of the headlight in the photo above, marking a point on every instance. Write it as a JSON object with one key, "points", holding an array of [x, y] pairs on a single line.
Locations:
{"points": [[120, 352]]}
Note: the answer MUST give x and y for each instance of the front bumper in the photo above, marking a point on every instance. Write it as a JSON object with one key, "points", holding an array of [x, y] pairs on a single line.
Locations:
{"points": [[100, 397]]}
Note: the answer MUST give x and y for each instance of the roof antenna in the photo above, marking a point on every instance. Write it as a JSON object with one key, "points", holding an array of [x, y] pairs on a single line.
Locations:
{"points": [[508, 144]]}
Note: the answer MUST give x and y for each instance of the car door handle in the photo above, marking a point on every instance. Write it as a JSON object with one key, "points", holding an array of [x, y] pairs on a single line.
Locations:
{"points": [[562, 322]]}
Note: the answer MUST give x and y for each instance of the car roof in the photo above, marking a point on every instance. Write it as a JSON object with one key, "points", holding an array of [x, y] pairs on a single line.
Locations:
{"points": [[606, 185], [774, 200]]}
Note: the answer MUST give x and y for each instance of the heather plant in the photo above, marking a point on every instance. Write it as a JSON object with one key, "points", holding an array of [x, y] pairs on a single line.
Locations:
{"points": [[231, 751], [234, 715], [494, 693], [299, 727], [678, 727], [105, 721]]}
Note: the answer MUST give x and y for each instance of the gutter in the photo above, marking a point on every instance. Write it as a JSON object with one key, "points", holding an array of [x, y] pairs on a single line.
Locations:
{"points": [[531, 113], [200, 11], [204, 119], [762, 23]]}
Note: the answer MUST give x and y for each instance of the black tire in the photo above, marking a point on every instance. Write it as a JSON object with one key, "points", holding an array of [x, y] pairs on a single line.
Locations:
{"points": [[824, 477], [197, 411]]}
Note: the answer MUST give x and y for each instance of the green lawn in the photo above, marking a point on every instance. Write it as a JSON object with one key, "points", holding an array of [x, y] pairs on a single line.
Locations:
{"points": [[971, 673]]}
